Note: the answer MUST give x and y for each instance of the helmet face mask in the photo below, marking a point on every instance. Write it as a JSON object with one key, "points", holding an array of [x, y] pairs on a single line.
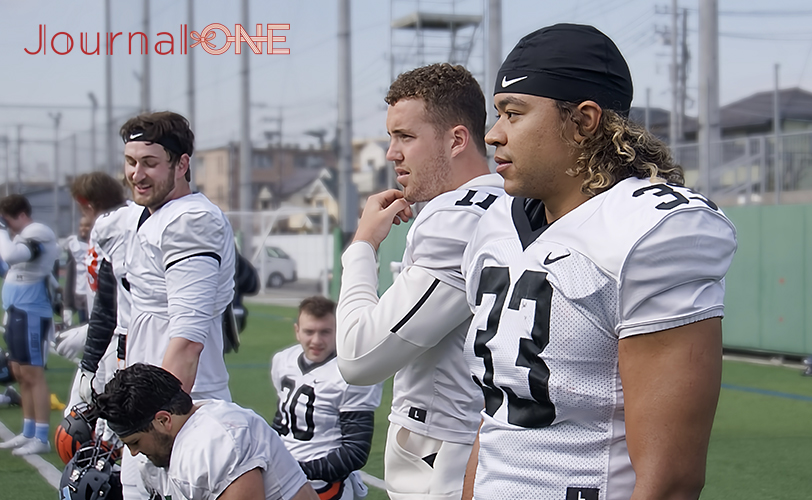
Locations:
{"points": [[91, 475]]}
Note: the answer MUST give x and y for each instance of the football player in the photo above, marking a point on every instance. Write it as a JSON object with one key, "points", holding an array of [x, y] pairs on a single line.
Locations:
{"points": [[597, 288], [206, 450], [29, 315], [78, 297], [179, 261], [325, 423], [101, 199], [436, 122]]}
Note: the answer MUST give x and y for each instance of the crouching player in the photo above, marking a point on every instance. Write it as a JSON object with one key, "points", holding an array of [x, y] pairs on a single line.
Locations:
{"points": [[204, 451], [325, 423]]}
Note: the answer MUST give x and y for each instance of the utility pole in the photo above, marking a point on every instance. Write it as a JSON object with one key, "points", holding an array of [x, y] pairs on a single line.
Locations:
{"points": [[709, 132], [8, 159], [145, 76], [779, 174], [74, 170], [94, 106], [683, 75], [246, 153], [108, 90], [190, 82], [647, 116], [494, 51], [19, 157], [673, 37], [56, 117], [347, 194]]}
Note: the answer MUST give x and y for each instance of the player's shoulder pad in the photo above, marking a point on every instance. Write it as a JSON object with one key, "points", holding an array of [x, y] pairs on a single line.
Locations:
{"points": [[609, 226], [115, 223], [468, 202], [38, 232], [195, 226]]}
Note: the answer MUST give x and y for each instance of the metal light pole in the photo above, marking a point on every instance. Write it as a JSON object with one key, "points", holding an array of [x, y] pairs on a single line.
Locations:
{"points": [[74, 169], [108, 90], [347, 194], [190, 86], [56, 117], [95, 106], [8, 164], [145, 73]]}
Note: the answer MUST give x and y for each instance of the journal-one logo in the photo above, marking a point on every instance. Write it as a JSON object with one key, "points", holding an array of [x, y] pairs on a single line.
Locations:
{"points": [[164, 43]]}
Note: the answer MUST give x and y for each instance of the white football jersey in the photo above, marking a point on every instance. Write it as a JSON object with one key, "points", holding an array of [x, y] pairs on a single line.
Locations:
{"points": [[78, 250], [108, 240], [434, 395], [35, 270], [219, 443], [184, 228], [310, 401], [550, 305]]}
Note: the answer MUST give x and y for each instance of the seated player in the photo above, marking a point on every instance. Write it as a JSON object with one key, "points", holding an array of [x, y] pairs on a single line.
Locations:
{"points": [[325, 423], [205, 450]]}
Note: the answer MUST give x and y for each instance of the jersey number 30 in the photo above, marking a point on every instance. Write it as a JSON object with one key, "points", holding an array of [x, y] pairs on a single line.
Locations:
{"points": [[288, 410], [532, 285]]}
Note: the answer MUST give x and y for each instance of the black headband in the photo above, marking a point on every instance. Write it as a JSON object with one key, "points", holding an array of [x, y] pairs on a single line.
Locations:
{"points": [[123, 430], [166, 141], [568, 62]]}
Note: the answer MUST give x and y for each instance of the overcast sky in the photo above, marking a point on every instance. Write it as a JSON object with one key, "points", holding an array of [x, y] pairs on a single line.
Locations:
{"points": [[302, 86]]}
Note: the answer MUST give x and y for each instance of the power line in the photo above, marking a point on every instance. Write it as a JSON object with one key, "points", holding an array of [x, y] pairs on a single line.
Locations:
{"points": [[761, 13]]}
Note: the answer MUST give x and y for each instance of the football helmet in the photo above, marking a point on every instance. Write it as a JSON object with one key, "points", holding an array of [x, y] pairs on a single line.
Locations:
{"points": [[91, 475], [6, 377], [75, 430]]}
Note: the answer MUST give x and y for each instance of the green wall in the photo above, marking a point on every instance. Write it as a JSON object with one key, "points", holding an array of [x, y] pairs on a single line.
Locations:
{"points": [[768, 285]]}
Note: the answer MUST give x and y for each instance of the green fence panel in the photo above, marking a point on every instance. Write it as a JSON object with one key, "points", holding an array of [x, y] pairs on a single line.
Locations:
{"points": [[766, 304]]}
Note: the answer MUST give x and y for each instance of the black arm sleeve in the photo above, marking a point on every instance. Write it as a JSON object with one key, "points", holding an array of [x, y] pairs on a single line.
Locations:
{"points": [[102, 322], [69, 293], [277, 422], [350, 455]]}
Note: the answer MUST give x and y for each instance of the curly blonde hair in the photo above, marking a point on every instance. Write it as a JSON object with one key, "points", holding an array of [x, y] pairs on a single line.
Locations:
{"points": [[619, 149]]}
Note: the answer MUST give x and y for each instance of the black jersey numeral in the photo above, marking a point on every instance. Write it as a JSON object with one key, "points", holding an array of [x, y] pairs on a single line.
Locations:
{"points": [[468, 200], [679, 198], [288, 410], [532, 285]]}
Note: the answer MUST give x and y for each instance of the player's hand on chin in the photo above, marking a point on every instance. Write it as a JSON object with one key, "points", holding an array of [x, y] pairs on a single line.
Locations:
{"points": [[380, 212]]}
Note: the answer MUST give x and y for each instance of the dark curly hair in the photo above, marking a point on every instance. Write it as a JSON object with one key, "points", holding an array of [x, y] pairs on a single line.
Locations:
{"points": [[451, 94], [163, 124], [135, 394], [618, 150]]}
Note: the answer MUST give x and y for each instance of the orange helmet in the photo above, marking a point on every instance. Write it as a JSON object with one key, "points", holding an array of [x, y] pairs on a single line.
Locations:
{"points": [[75, 430]]}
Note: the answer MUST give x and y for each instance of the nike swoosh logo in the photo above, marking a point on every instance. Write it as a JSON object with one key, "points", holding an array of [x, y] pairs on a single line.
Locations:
{"points": [[136, 136], [508, 83], [548, 260]]}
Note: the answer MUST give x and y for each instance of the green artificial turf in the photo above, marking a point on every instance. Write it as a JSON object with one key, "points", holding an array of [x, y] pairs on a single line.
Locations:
{"points": [[761, 446]]}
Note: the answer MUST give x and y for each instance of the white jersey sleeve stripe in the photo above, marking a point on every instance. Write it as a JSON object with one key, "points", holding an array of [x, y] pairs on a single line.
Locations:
{"points": [[417, 306], [201, 254]]}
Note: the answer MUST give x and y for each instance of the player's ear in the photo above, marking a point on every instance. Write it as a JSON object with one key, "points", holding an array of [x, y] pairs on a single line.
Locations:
{"points": [[461, 137], [163, 420], [183, 165], [588, 121]]}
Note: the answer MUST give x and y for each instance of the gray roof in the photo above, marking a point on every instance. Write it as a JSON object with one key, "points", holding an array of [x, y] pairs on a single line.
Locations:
{"points": [[757, 109]]}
